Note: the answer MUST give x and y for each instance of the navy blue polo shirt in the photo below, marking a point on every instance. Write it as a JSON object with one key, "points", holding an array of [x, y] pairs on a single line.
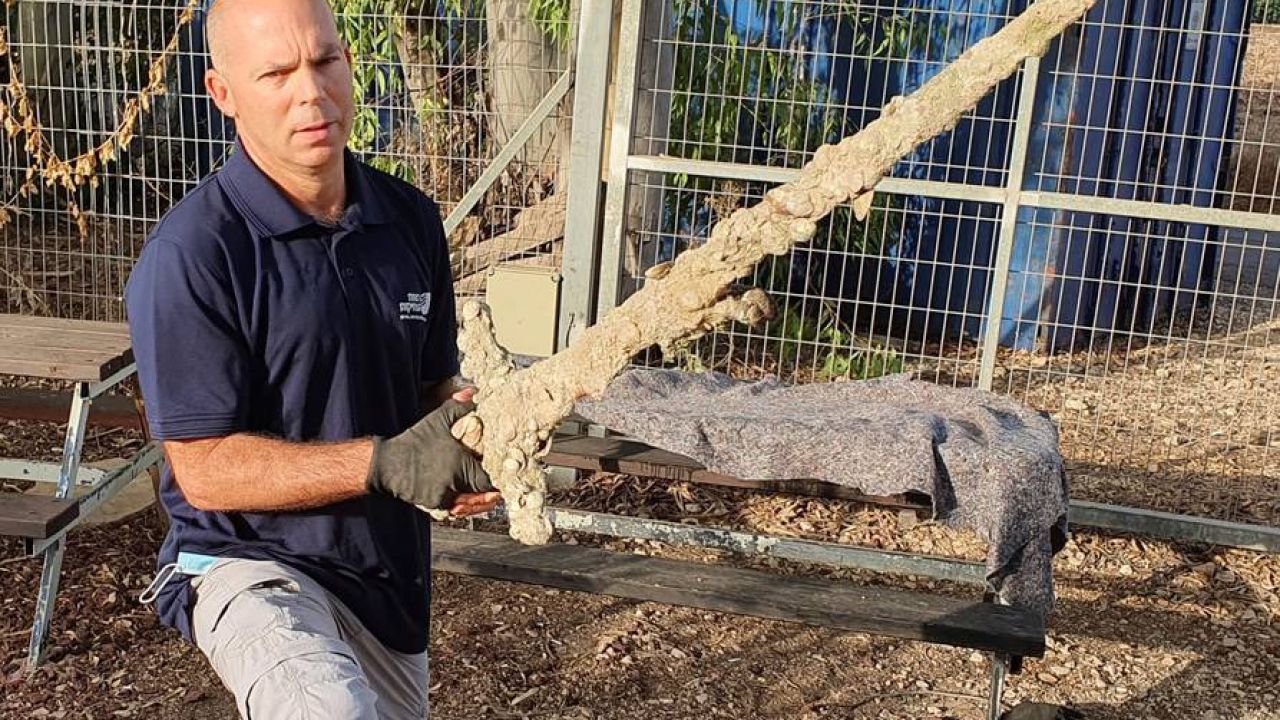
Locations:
{"points": [[249, 316]]}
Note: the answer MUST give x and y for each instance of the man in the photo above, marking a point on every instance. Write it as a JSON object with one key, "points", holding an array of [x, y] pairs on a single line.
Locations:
{"points": [[293, 320]]}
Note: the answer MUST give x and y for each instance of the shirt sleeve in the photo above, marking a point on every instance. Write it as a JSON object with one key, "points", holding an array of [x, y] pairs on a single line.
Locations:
{"points": [[440, 361], [193, 362]]}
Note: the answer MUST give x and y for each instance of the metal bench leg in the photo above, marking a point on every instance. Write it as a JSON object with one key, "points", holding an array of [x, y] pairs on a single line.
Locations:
{"points": [[44, 603], [999, 667], [52, 571]]}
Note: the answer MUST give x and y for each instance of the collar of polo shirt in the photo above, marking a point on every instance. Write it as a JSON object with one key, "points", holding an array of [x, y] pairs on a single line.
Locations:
{"points": [[267, 207]]}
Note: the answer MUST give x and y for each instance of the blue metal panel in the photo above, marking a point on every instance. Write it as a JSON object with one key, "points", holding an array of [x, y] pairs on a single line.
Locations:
{"points": [[1160, 133], [1151, 108], [1037, 239], [943, 259]]}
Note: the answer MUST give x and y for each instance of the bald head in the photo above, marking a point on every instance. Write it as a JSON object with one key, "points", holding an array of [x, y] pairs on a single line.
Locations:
{"points": [[214, 31], [280, 71], [228, 19]]}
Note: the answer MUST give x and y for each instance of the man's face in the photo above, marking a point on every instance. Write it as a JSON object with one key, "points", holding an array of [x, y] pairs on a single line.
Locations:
{"points": [[285, 77]]}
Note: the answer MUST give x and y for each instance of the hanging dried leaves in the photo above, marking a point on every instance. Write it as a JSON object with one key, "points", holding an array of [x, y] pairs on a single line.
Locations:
{"points": [[18, 118]]}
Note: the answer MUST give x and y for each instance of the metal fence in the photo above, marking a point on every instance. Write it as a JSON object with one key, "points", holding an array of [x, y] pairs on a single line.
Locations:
{"points": [[108, 124], [1100, 238], [1119, 199]]}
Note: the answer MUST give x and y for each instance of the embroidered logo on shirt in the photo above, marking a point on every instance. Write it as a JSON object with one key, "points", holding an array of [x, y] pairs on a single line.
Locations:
{"points": [[416, 306]]}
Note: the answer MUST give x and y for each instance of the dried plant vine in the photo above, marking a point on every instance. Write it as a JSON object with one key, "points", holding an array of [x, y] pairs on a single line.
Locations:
{"points": [[518, 410], [19, 118]]}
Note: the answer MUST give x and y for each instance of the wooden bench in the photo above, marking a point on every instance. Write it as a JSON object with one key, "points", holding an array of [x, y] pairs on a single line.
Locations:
{"points": [[572, 448], [94, 357], [581, 446], [36, 405], [1008, 634], [1003, 632], [36, 517]]}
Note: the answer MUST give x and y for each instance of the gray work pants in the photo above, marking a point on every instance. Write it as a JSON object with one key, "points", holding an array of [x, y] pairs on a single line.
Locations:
{"points": [[288, 649]]}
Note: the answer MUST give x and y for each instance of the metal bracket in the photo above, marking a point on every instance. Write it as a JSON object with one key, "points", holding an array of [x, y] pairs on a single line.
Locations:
{"points": [[44, 472], [586, 148], [99, 491], [615, 204], [1009, 221], [810, 551], [500, 161], [995, 699]]}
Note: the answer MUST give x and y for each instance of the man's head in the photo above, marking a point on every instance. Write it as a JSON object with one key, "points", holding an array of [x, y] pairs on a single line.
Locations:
{"points": [[281, 72]]}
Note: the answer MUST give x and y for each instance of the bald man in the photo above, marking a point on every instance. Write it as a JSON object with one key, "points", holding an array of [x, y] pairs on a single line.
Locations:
{"points": [[293, 324]]}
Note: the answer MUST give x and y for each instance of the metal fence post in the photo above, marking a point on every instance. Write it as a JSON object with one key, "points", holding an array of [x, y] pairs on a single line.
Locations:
{"points": [[615, 205], [582, 216], [1009, 220]]}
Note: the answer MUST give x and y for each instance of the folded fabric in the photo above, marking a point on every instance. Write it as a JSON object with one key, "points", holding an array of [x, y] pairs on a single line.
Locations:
{"points": [[988, 462]]}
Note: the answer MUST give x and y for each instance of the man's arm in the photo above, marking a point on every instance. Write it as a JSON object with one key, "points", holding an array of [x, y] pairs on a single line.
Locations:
{"points": [[246, 473], [250, 473]]}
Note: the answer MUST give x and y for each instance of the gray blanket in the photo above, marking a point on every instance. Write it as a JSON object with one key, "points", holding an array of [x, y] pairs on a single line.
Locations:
{"points": [[987, 462]]}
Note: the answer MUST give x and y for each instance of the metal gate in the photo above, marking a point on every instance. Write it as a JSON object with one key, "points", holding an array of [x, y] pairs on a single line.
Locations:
{"points": [[107, 124]]}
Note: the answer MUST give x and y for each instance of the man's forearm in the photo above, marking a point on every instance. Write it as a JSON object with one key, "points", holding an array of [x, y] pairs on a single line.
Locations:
{"points": [[246, 472]]}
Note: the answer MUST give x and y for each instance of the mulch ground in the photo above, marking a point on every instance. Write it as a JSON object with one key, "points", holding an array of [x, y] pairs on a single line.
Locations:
{"points": [[1145, 629]]}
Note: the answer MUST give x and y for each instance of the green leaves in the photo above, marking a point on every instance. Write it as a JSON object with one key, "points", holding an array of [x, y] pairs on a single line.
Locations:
{"points": [[552, 17], [376, 31], [1266, 11], [371, 29], [823, 343]]}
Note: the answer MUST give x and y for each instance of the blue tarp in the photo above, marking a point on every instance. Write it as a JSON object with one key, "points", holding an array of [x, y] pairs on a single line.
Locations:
{"points": [[1136, 106], [943, 260], [1161, 133]]}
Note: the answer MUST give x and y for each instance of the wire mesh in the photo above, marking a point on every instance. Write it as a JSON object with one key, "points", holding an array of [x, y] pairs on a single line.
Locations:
{"points": [[1169, 101], [469, 76], [1176, 410], [441, 88], [66, 250], [767, 83], [830, 322]]}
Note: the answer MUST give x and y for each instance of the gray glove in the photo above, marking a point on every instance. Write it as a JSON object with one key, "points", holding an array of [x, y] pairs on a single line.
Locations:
{"points": [[425, 465]]}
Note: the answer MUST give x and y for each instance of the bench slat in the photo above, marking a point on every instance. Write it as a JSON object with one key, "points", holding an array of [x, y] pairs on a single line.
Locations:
{"points": [[613, 454], [878, 611], [31, 322], [57, 348], [109, 345], [78, 365], [49, 406], [35, 516]]}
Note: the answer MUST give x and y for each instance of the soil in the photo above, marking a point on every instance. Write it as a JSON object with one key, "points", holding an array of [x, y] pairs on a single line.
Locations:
{"points": [[1187, 426], [1144, 629]]}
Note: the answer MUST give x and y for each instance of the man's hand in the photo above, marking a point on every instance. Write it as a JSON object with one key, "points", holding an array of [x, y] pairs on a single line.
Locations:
{"points": [[469, 504], [426, 466]]}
